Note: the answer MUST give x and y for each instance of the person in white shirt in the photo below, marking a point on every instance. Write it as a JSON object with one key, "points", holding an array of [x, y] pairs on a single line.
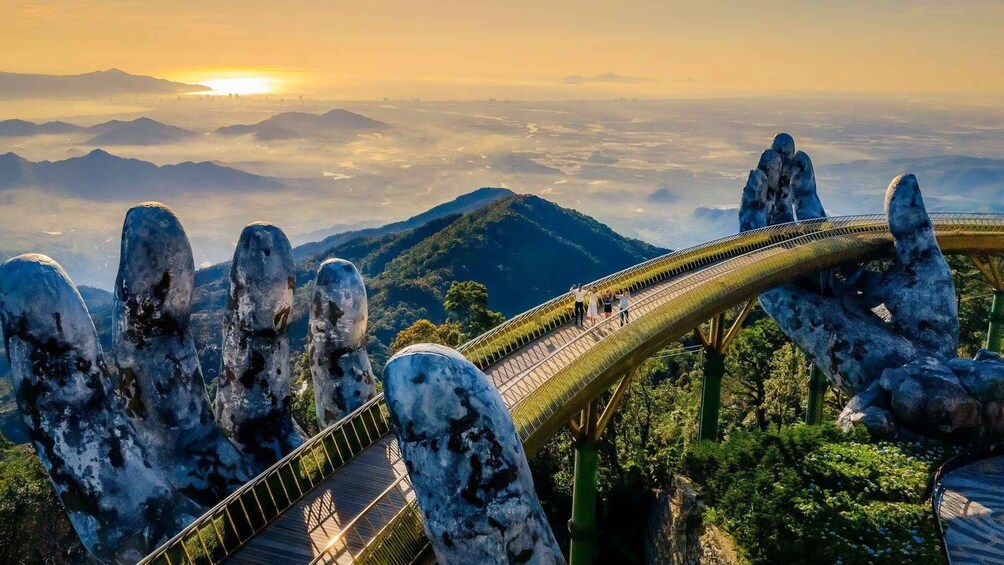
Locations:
{"points": [[592, 312], [624, 299], [580, 307]]}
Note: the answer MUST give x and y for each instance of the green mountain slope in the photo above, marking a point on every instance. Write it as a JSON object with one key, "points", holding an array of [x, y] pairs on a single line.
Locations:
{"points": [[523, 248]]}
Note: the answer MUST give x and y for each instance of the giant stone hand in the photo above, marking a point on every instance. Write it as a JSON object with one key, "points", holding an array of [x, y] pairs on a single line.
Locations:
{"points": [[903, 374], [132, 447]]}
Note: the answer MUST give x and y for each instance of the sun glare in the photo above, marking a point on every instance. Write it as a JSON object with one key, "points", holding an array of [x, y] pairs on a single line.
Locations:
{"points": [[242, 86]]}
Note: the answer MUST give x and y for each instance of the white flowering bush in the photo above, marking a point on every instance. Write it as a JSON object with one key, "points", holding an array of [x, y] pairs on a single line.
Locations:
{"points": [[817, 495]]}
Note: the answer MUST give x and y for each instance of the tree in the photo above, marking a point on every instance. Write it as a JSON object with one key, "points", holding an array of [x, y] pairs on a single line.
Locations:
{"points": [[747, 368], [424, 331], [33, 526], [787, 387], [467, 303], [304, 405]]}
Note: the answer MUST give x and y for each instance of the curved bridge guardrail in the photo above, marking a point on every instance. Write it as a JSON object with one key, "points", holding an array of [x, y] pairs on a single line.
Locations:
{"points": [[722, 273]]}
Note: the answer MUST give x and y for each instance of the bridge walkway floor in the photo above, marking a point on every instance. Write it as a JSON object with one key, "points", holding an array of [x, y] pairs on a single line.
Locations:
{"points": [[970, 507]]}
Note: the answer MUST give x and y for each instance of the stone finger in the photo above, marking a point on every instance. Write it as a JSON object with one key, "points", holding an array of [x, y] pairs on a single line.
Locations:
{"points": [[803, 189], [161, 382], [466, 461], [118, 500], [851, 345], [339, 364], [253, 400], [752, 209], [779, 186]]}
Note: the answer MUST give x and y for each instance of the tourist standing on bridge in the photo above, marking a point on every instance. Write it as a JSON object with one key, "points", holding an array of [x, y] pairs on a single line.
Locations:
{"points": [[608, 304], [580, 307], [591, 311], [624, 299]]}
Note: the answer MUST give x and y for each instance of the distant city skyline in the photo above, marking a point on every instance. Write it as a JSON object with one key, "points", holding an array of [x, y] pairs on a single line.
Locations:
{"points": [[455, 50]]}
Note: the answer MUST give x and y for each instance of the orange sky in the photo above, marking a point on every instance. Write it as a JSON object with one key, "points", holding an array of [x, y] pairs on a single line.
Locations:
{"points": [[454, 48]]}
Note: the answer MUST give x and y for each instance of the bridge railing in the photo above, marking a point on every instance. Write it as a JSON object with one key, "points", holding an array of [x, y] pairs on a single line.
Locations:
{"points": [[238, 517], [524, 328], [232, 522]]}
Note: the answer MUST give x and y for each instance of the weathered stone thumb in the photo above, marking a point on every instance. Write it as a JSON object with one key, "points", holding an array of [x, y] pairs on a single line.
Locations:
{"points": [[919, 290], [752, 208], [466, 461], [119, 501], [339, 363]]}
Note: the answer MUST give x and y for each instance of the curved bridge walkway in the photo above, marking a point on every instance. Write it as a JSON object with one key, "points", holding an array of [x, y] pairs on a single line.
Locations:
{"points": [[969, 503], [345, 497]]}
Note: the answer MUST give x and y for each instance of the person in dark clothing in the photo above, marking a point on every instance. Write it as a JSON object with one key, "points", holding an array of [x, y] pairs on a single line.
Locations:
{"points": [[580, 304]]}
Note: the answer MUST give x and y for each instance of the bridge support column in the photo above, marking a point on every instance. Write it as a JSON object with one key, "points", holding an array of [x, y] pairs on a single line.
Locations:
{"points": [[586, 435], [715, 342], [582, 526], [817, 391], [990, 268], [995, 331], [711, 395]]}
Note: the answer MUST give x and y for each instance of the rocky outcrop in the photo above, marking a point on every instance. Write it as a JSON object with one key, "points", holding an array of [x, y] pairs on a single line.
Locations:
{"points": [[253, 399], [118, 499], [901, 370], [339, 363], [160, 379], [676, 533], [466, 461]]}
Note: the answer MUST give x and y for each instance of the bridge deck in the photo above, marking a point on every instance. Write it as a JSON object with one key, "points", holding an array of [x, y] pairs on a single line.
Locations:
{"points": [[302, 532], [970, 506]]}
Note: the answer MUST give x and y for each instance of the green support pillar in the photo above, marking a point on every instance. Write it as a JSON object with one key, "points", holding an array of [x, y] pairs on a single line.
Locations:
{"points": [[995, 332], [817, 390], [711, 395], [582, 526]]}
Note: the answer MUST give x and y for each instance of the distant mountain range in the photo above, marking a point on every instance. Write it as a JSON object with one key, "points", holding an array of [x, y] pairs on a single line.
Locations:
{"points": [[141, 131], [950, 183], [334, 125], [19, 128], [293, 125], [98, 83], [100, 175]]}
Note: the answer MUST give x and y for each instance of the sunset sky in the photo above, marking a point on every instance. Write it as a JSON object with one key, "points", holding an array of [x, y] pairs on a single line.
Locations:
{"points": [[454, 48]]}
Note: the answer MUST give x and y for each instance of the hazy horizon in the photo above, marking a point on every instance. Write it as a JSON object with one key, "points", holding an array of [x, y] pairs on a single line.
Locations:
{"points": [[522, 50]]}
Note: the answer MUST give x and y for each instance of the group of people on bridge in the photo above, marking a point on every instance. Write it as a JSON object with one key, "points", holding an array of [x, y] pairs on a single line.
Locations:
{"points": [[588, 303]]}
